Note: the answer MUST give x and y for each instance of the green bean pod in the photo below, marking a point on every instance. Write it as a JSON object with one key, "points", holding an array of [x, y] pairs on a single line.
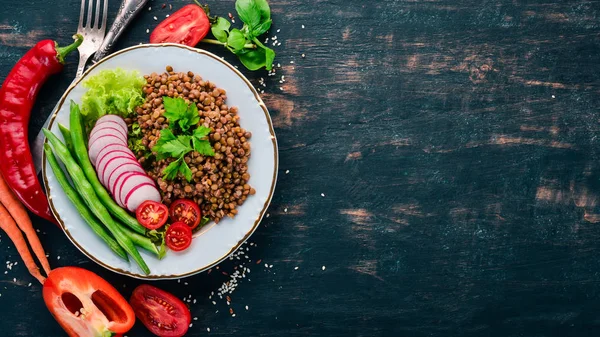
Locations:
{"points": [[66, 133], [81, 152], [86, 190], [89, 218], [145, 243]]}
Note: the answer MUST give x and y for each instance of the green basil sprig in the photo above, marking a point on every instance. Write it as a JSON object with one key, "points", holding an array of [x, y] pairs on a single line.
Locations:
{"points": [[244, 42]]}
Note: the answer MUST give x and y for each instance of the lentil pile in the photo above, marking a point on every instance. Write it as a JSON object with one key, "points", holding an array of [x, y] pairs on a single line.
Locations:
{"points": [[219, 184]]}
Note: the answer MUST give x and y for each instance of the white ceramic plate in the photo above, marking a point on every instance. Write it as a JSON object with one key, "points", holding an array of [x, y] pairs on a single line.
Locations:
{"points": [[215, 242]]}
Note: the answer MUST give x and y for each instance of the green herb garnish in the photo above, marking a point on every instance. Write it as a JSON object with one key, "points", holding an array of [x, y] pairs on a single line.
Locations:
{"points": [[185, 116], [244, 42]]}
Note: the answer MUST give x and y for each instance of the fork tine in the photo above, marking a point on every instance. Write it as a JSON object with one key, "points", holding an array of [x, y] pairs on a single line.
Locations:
{"points": [[81, 14], [104, 14], [97, 18], [89, 14]]}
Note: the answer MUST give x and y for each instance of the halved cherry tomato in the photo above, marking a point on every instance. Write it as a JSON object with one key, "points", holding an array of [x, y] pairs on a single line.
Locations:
{"points": [[84, 304], [187, 211], [152, 214], [187, 26], [161, 312], [178, 236]]}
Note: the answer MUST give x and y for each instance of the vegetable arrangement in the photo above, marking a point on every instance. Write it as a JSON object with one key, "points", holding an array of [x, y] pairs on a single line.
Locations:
{"points": [[17, 95], [191, 24]]}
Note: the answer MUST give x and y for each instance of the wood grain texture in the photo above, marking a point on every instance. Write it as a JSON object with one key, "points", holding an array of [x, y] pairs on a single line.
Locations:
{"points": [[455, 143]]}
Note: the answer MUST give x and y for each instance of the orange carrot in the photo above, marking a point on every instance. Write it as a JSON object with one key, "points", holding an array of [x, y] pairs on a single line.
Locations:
{"points": [[14, 233], [19, 214]]}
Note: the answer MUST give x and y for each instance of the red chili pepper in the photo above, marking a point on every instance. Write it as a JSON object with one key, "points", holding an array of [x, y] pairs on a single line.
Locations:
{"points": [[17, 95]]}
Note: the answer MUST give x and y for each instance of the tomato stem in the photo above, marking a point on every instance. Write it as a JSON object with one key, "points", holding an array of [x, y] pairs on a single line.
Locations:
{"points": [[217, 42]]}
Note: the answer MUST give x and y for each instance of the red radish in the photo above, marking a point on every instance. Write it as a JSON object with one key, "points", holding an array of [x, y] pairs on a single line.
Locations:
{"points": [[111, 165], [114, 119], [119, 158], [111, 154], [108, 133], [141, 193], [110, 148], [118, 186], [101, 142], [129, 183], [111, 128], [122, 169]]}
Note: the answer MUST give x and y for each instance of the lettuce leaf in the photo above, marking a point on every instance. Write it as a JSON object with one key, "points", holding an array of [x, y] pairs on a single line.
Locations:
{"points": [[114, 92]]}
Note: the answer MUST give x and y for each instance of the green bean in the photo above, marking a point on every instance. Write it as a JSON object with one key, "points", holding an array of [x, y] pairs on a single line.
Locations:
{"points": [[86, 190], [67, 136], [145, 243], [89, 218], [78, 138]]}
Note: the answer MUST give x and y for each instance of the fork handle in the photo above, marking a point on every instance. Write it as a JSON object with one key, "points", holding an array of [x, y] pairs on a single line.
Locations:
{"points": [[128, 10]]}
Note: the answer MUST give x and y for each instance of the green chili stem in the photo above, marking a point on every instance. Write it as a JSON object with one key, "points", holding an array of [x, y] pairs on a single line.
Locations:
{"points": [[61, 52]]}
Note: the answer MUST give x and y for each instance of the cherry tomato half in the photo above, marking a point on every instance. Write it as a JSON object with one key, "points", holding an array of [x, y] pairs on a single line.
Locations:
{"points": [[178, 236], [187, 26], [152, 214], [186, 211], [161, 312]]}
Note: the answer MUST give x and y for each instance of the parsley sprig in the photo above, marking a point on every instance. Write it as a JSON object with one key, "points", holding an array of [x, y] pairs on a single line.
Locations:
{"points": [[183, 119]]}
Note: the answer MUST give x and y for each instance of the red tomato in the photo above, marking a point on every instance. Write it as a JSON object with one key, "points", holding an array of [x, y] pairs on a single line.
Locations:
{"points": [[152, 214], [84, 304], [187, 211], [187, 26], [178, 236], [161, 312]]}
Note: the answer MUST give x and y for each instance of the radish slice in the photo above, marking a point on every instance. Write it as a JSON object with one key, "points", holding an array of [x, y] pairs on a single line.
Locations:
{"points": [[100, 143], [116, 189], [110, 148], [113, 118], [141, 193], [113, 153], [111, 128], [129, 183], [123, 168], [108, 133], [111, 163], [119, 158]]}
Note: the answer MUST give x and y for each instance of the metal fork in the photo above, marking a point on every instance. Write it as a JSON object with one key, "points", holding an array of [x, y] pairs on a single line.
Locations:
{"points": [[93, 32]]}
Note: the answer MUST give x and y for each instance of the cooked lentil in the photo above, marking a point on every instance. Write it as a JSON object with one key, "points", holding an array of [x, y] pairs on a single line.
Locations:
{"points": [[219, 184]]}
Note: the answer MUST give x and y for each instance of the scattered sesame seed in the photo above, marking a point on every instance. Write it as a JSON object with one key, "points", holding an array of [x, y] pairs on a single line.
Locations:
{"points": [[233, 315], [195, 318], [553, 96], [147, 31], [179, 281], [58, 257], [291, 62], [170, 7], [185, 283], [268, 215], [29, 285], [214, 303], [14, 280], [285, 210], [266, 265], [303, 55], [208, 329], [302, 26], [155, 18], [278, 30], [270, 266], [323, 195], [191, 325], [246, 307], [149, 8], [323, 268], [166, 16], [296, 268]]}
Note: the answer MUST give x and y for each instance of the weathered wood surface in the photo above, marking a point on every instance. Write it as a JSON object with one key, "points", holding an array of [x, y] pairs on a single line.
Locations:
{"points": [[455, 143]]}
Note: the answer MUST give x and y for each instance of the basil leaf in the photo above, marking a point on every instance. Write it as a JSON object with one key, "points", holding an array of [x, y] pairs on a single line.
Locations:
{"points": [[248, 12], [269, 58], [263, 8], [236, 39], [220, 29], [253, 59], [262, 28]]}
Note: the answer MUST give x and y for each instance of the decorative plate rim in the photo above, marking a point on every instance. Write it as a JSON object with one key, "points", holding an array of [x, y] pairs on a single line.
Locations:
{"points": [[260, 215]]}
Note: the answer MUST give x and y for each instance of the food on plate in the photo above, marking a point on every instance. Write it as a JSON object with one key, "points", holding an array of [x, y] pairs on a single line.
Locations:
{"points": [[66, 133], [87, 192], [186, 26], [111, 92], [18, 213], [186, 211], [207, 163], [116, 166], [79, 204], [161, 312], [152, 214], [178, 236], [81, 153], [84, 304], [17, 95]]}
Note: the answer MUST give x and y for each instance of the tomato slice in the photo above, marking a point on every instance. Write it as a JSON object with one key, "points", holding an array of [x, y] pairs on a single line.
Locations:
{"points": [[152, 214], [161, 312], [84, 304], [186, 211], [178, 236], [187, 26]]}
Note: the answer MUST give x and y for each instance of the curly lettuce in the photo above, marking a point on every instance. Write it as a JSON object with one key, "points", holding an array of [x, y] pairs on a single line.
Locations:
{"points": [[111, 92]]}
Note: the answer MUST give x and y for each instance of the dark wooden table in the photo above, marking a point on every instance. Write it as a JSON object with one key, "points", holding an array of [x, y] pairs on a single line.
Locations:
{"points": [[439, 158]]}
